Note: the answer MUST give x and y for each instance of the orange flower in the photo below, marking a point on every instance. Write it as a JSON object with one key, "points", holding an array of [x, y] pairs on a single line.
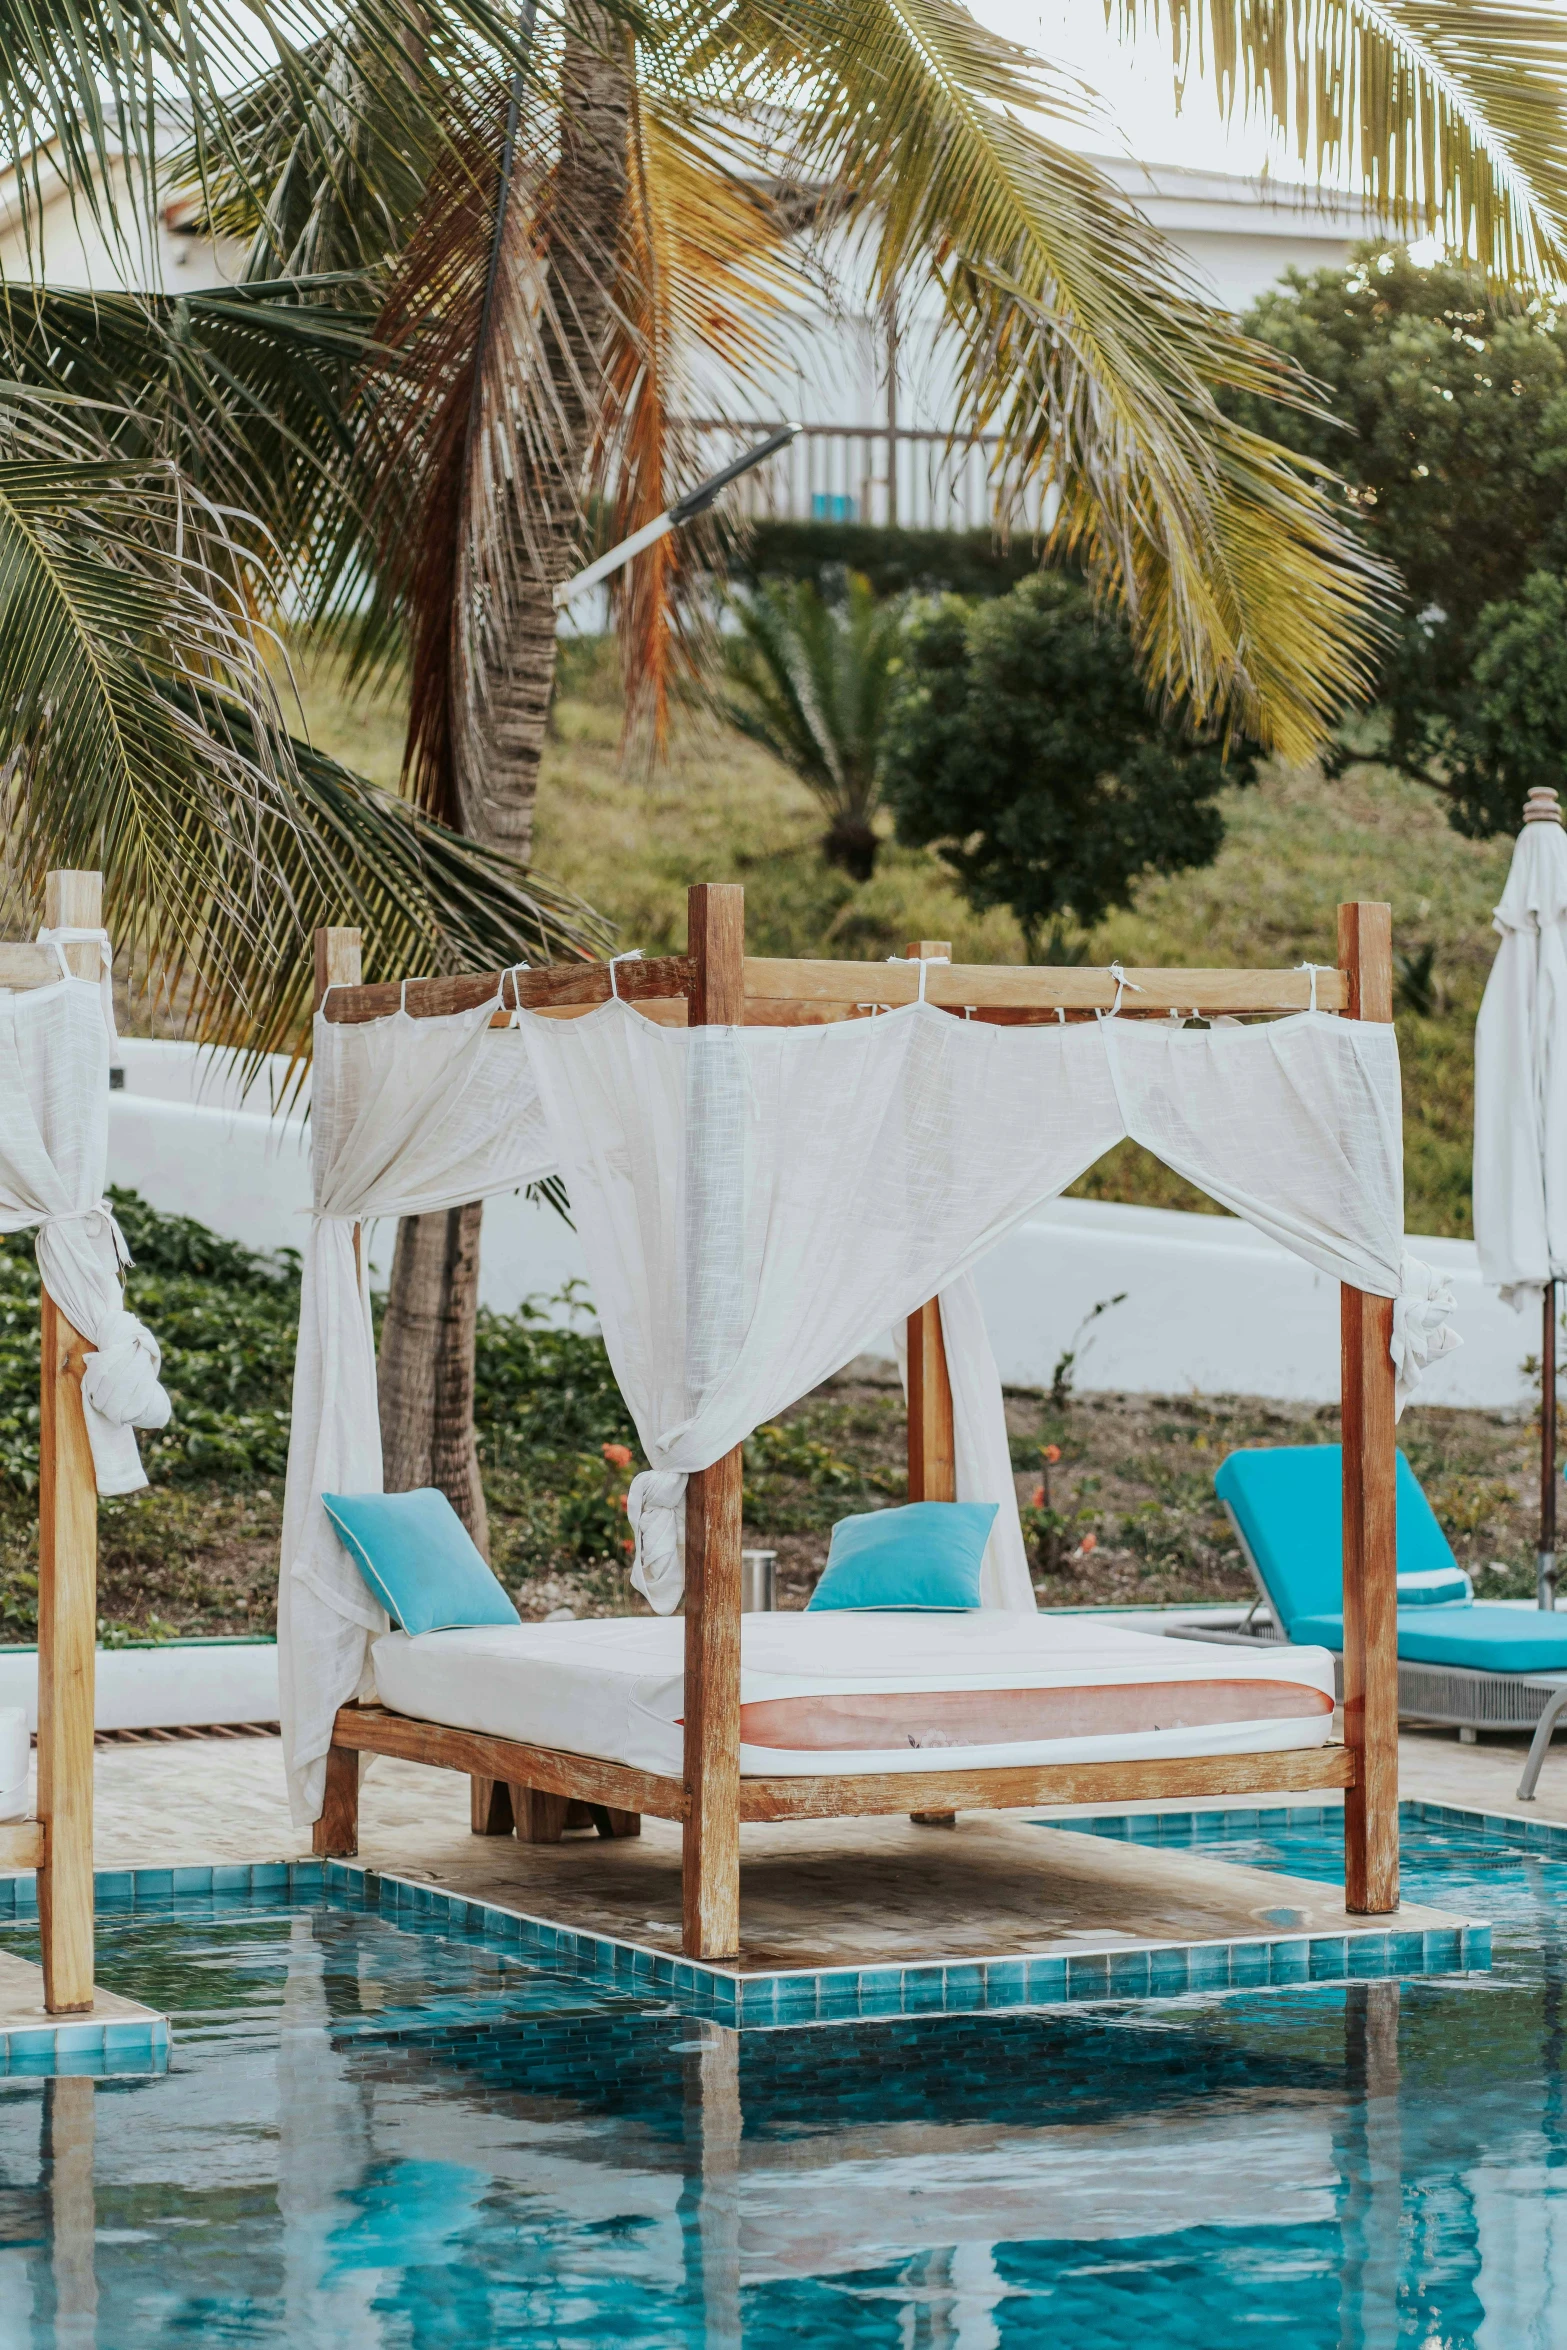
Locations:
{"points": [[624, 1502], [618, 1455], [1088, 1543], [1052, 1453], [1039, 1497]]}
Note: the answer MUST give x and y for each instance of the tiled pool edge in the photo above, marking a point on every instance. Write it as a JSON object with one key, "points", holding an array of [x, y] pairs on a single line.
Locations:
{"points": [[837, 1994]]}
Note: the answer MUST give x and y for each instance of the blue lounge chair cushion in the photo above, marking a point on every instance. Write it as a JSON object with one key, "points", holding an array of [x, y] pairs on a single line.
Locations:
{"points": [[418, 1559], [1473, 1639], [1288, 1504], [927, 1555]]}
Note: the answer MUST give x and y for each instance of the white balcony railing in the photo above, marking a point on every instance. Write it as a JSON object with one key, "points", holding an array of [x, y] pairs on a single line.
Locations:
{"points": [[915, 480]]}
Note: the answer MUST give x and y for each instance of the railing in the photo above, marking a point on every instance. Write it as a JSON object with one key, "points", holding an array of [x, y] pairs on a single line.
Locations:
{"points": [[917, 480]]}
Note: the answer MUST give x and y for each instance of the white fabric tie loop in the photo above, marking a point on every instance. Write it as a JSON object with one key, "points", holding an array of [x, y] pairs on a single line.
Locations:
{"points": [[632, 955], [1314, 968], [1122, 983], [1421, 1331], [656, 1516], [510, 973], [922, 963]]}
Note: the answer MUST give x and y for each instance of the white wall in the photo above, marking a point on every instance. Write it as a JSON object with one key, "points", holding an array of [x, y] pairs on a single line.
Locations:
{"points": [[1210, 1305]]}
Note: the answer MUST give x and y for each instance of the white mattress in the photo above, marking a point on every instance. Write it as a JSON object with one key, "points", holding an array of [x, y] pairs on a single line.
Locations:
{"points": [[613, 1687]]}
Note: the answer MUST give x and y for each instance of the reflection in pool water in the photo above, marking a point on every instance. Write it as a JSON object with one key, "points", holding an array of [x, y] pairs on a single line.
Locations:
{"points": [[340, 2156]]}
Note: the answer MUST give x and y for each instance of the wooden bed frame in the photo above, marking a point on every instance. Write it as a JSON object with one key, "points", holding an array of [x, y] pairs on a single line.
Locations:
{"points": [[59, 1842], [540, 1792]]}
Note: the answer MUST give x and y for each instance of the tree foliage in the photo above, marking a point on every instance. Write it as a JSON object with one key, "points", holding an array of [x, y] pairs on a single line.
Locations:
{"points": [[1454, 400], [1024, 747]]}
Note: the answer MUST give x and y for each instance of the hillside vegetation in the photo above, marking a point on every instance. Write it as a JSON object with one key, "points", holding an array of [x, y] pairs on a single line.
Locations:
{"points": [[630, 836]]}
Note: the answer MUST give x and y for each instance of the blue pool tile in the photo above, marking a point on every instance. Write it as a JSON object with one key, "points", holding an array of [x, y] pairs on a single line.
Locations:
{"points": [[1249, 1965], [1444, 1950], [795, 1999], [1046, 1981], [1327, 1958], [1006, 1982], [1169, 1973], [1209, 1966], [1406, 1953], [118, 1885], [233, 1877], [1366, 1954], [154, 1884], [838, 1995], [1289, 1962], [30, 2042], [1088, 1977], [1128, 1974], [192, 1880], [924, 1989], [881, 1990], [269, 1876], [963, 1988]]}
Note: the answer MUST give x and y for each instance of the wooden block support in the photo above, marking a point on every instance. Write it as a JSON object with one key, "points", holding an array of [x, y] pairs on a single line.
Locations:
{"points": [[339, 961], [1365, 953], [67, 1591], [933, 1469], [335, 1835], [710, 1834], [489, 1806]]}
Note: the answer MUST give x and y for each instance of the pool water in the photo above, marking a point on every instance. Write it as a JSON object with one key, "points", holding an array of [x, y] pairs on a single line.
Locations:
{"points": [[376, 2135]]}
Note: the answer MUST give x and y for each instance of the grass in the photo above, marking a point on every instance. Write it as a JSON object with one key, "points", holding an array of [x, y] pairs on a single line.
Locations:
{"points": [[630, 836]]}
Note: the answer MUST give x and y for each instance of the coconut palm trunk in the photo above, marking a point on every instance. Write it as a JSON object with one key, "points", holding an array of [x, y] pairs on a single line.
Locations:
{"points": [[427, 1342]]}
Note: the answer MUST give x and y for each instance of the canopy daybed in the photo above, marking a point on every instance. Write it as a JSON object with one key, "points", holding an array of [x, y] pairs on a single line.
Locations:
{"points": [[768, 1162], [99, 1377]]}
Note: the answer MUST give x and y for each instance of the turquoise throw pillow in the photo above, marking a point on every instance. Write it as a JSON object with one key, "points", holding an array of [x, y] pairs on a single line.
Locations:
{"points": [[419, 1560], [926, 1555]]}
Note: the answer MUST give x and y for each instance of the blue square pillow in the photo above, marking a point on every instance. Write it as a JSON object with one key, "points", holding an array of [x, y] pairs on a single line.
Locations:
{"points": [[926, 1555], [419, 1559]]}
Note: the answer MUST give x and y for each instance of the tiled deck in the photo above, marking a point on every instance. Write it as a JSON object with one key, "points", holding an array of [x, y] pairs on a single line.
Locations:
{"points": [[820, 1894]]}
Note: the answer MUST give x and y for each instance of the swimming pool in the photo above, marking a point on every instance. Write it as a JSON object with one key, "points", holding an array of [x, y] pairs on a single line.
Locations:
{"points": [[378, 2133]]}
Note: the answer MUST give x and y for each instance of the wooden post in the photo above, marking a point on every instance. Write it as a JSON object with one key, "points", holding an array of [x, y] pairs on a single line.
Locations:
{"points": [[710, 1840], [67, 1589], [339, 962], [1365, 953]]}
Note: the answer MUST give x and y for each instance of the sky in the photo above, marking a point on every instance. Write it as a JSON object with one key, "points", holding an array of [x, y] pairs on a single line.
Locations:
{"points": [[1137, 85]]}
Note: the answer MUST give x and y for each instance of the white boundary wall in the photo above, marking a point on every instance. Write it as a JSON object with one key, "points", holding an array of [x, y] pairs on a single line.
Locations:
{"points": [[1211, 1306]]}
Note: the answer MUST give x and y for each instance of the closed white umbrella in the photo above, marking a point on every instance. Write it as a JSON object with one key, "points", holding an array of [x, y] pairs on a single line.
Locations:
{"points": [[1520, 1154]]}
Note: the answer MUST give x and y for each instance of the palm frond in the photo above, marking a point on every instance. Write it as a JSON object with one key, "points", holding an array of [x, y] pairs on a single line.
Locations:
{"points": [[1452, 114], [1085, 342], [428, 901]]}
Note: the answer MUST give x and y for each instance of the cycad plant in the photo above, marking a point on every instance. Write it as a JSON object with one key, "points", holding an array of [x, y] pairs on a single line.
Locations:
{"points": [[810, 680]]}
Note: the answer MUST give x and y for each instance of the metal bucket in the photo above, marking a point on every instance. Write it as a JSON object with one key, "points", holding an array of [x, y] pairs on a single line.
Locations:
{"points": [[758, 1581]]}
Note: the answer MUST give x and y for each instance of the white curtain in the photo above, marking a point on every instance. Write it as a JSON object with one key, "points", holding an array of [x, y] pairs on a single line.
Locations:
{"points": [[1520, 1150], [55, 1048], [406, 1116], [758, 1205]]}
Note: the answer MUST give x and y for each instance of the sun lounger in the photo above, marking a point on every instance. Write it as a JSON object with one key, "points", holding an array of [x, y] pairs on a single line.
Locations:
{"points": [[1460, 1661]]}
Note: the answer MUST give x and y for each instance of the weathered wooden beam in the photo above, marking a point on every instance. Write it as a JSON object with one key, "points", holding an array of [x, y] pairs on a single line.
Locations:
{"points": [[373, 1729], [1038, 987], [555, 985], [22, 967], [1174, 1780], [67, 1589], [1370, 1461], [335, 1835]]}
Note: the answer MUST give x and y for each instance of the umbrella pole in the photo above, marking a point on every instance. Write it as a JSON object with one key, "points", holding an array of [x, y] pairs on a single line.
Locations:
{"points": [[1545, 1560]]}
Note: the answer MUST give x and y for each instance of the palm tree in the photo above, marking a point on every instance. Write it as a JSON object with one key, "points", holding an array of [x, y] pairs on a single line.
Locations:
{"points": [[810, 681], [544, 218]]}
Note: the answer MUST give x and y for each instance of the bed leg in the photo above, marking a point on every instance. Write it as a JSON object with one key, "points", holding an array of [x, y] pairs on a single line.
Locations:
{"points": [[934, 1819], [489, 1806], [335, 1835], [610, 1822], [540, 1818]]}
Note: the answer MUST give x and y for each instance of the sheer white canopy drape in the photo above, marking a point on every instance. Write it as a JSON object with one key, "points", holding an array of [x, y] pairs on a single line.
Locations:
{"points": [[1520, 1152], [757, 1205], [55, 1048]]}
